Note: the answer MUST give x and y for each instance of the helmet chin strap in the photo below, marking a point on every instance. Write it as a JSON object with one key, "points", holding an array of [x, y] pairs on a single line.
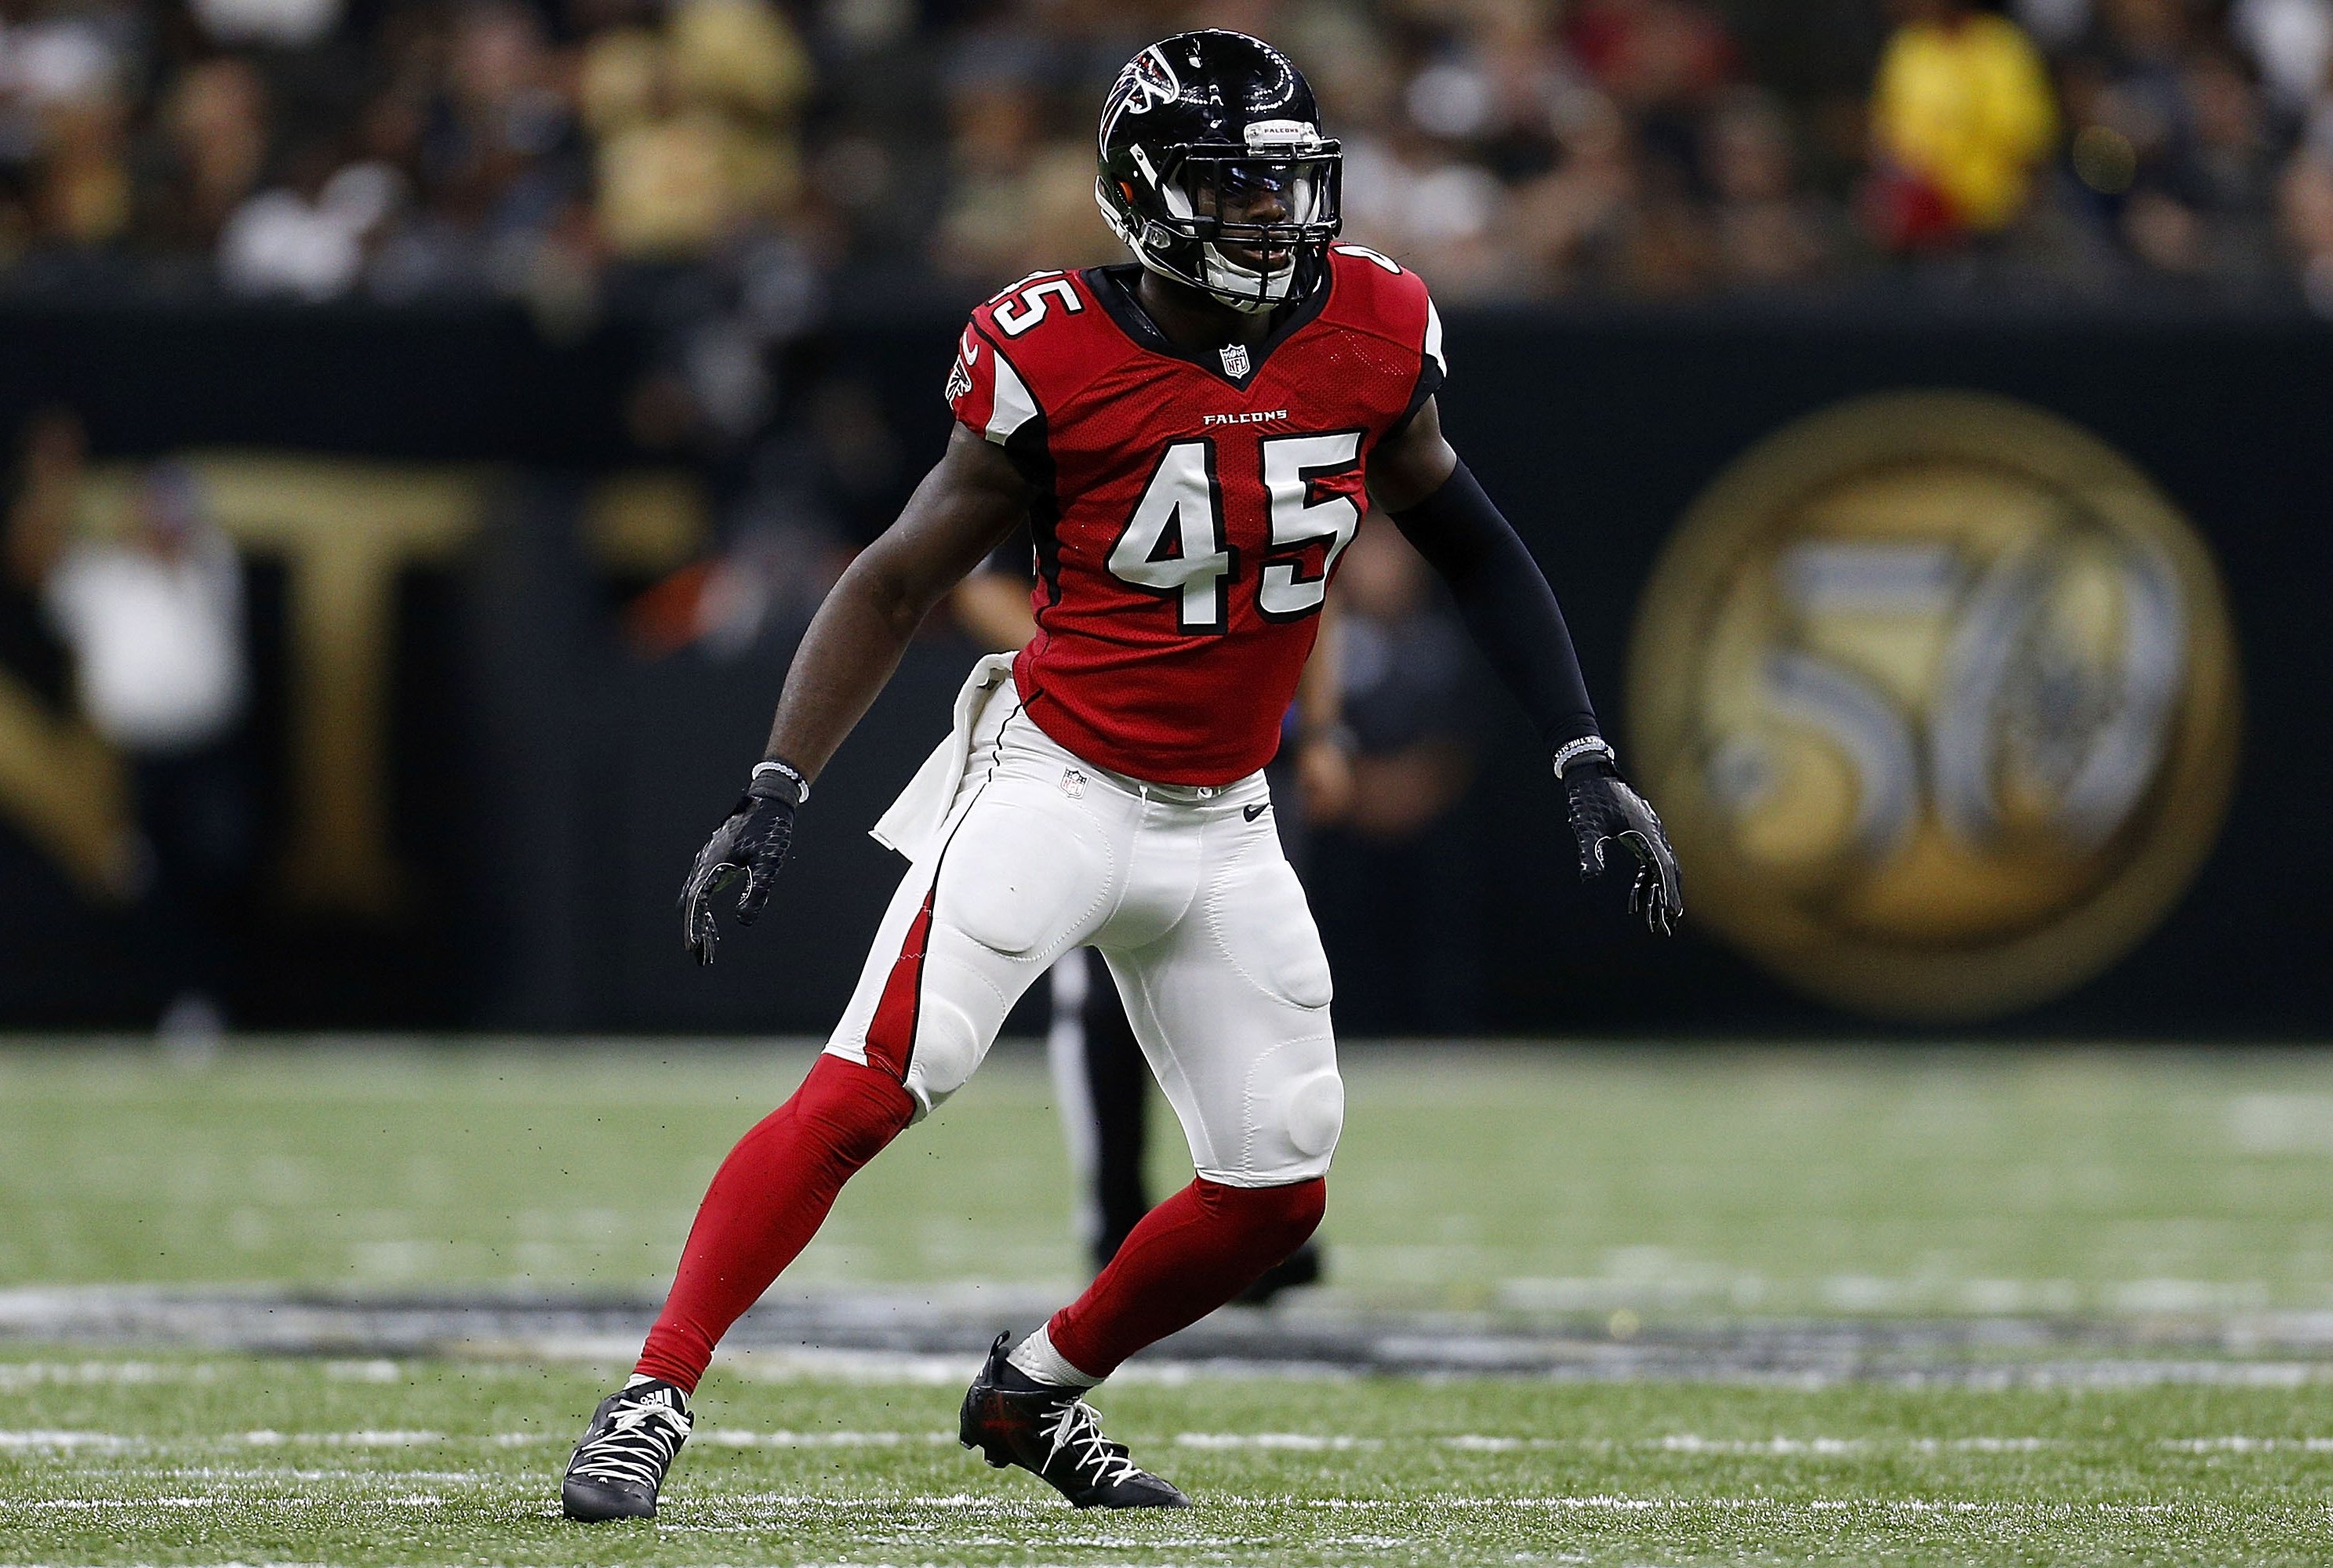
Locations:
{"points": [[1245, 290], [1242, 289], [1224, 281]]}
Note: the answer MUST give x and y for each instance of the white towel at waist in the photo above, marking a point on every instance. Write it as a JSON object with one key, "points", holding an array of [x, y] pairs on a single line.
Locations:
{"points": [[923, 806]]}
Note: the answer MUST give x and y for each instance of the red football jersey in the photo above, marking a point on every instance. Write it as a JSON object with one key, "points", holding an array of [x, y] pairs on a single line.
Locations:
{"points": [[1190, 508]]}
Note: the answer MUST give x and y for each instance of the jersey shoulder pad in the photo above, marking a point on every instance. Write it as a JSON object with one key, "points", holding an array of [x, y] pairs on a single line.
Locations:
{"points": [[1027, 347], [984, 392], [1374, 293]]}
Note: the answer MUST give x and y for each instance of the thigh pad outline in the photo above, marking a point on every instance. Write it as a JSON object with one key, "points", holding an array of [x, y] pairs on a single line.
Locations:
{"points": [[1262, 925], [1022, 874]]}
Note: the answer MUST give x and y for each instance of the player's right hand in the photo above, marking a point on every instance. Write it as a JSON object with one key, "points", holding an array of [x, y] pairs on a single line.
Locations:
{"points": [[752, 840]]}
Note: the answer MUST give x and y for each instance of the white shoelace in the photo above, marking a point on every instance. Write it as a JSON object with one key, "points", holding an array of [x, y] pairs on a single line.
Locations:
{"points": [[1078, 1429], [637, 1447]]}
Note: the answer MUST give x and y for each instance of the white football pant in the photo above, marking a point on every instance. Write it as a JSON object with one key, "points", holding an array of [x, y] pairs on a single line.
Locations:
{"points": [[1186, 893]]}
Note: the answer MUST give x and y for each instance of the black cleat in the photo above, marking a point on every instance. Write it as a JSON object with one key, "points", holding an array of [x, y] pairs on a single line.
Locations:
{"points": [[617, 1468], [1054, 1435], [1301, 1266]]}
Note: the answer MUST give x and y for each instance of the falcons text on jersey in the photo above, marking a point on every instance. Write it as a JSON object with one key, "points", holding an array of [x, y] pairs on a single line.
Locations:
{"points": [[1190, 508]]}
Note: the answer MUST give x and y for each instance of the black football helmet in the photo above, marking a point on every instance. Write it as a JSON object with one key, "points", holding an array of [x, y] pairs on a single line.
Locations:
{"points": [[1213, 170]]}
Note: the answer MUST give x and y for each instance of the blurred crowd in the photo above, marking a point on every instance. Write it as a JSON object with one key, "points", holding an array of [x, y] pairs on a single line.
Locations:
{"points": [[733, 173], [560, 152]]}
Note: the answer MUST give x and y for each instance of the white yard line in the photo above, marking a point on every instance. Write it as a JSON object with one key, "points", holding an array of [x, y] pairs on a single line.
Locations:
{"points": [[1829, 1448], [1677, 1443], [37, 1439], [964, 1503], [264, 1439], [97, 1505], [40, 1439], [2240, 1445], [1686, 1443], [1627, 1505], [1307, 1442], [26, 1374], [682, 1521]]}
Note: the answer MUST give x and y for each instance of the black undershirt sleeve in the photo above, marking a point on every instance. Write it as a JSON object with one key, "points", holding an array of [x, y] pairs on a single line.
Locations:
{"points": [[1505, 602]]}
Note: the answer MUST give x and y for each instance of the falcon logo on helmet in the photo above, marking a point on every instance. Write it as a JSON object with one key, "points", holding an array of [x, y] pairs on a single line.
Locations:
{"points": [[1213, 170], [1146, 82], [1152, 81]]}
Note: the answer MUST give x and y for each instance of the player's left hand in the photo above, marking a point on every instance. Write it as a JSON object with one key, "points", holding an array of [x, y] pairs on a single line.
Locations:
{"points": [[753, 841], [1604, 809]]}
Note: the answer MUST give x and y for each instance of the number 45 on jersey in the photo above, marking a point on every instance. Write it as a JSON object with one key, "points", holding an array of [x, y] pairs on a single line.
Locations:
{"points": [[1174, 546]]}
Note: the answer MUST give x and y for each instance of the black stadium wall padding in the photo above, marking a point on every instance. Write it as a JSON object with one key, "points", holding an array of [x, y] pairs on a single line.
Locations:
{"points": [[543, 787]]}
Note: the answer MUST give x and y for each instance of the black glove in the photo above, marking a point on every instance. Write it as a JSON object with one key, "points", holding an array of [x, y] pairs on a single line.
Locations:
{"points": [[1605, 807], [754, 840]]}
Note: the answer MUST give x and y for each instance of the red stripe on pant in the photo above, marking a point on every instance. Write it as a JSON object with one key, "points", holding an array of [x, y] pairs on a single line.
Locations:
{"points": [[892, 1033]]}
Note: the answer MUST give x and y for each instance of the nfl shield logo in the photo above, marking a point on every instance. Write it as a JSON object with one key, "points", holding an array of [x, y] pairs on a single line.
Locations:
{"points": [[1235, 360]]}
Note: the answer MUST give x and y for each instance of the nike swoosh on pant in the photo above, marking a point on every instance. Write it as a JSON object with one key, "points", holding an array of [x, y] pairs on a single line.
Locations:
{"points": [[1253, 812]]}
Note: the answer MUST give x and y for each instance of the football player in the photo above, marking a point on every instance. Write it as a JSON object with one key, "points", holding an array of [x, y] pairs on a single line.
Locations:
{"points": [[1194, 438]]}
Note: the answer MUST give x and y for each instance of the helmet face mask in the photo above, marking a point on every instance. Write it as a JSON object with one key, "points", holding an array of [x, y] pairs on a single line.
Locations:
{"points": [[1214, 173], [1253, 218]]}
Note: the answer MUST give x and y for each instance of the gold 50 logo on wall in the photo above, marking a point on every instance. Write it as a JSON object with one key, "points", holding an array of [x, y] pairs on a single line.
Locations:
{"points": [[1938, 695]]}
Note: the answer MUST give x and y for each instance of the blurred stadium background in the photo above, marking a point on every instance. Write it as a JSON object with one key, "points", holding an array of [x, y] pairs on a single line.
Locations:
{"points": [[431, 424], [434, 424]]}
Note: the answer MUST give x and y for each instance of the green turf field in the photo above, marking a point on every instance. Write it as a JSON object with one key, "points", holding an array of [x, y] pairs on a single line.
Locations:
{"points": [[210, 1462], [1630, 1193], [1728, 1181]]}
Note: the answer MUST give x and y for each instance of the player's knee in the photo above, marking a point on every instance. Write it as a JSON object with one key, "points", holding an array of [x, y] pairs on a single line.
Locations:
{"points": [[949, 1046], [1315, 1113], [855, 1109], [1298, 1117]]}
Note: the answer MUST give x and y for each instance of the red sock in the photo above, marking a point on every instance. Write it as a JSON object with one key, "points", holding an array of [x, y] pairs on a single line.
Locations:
{"points": [[766, 1202], [1187, 1257]]}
